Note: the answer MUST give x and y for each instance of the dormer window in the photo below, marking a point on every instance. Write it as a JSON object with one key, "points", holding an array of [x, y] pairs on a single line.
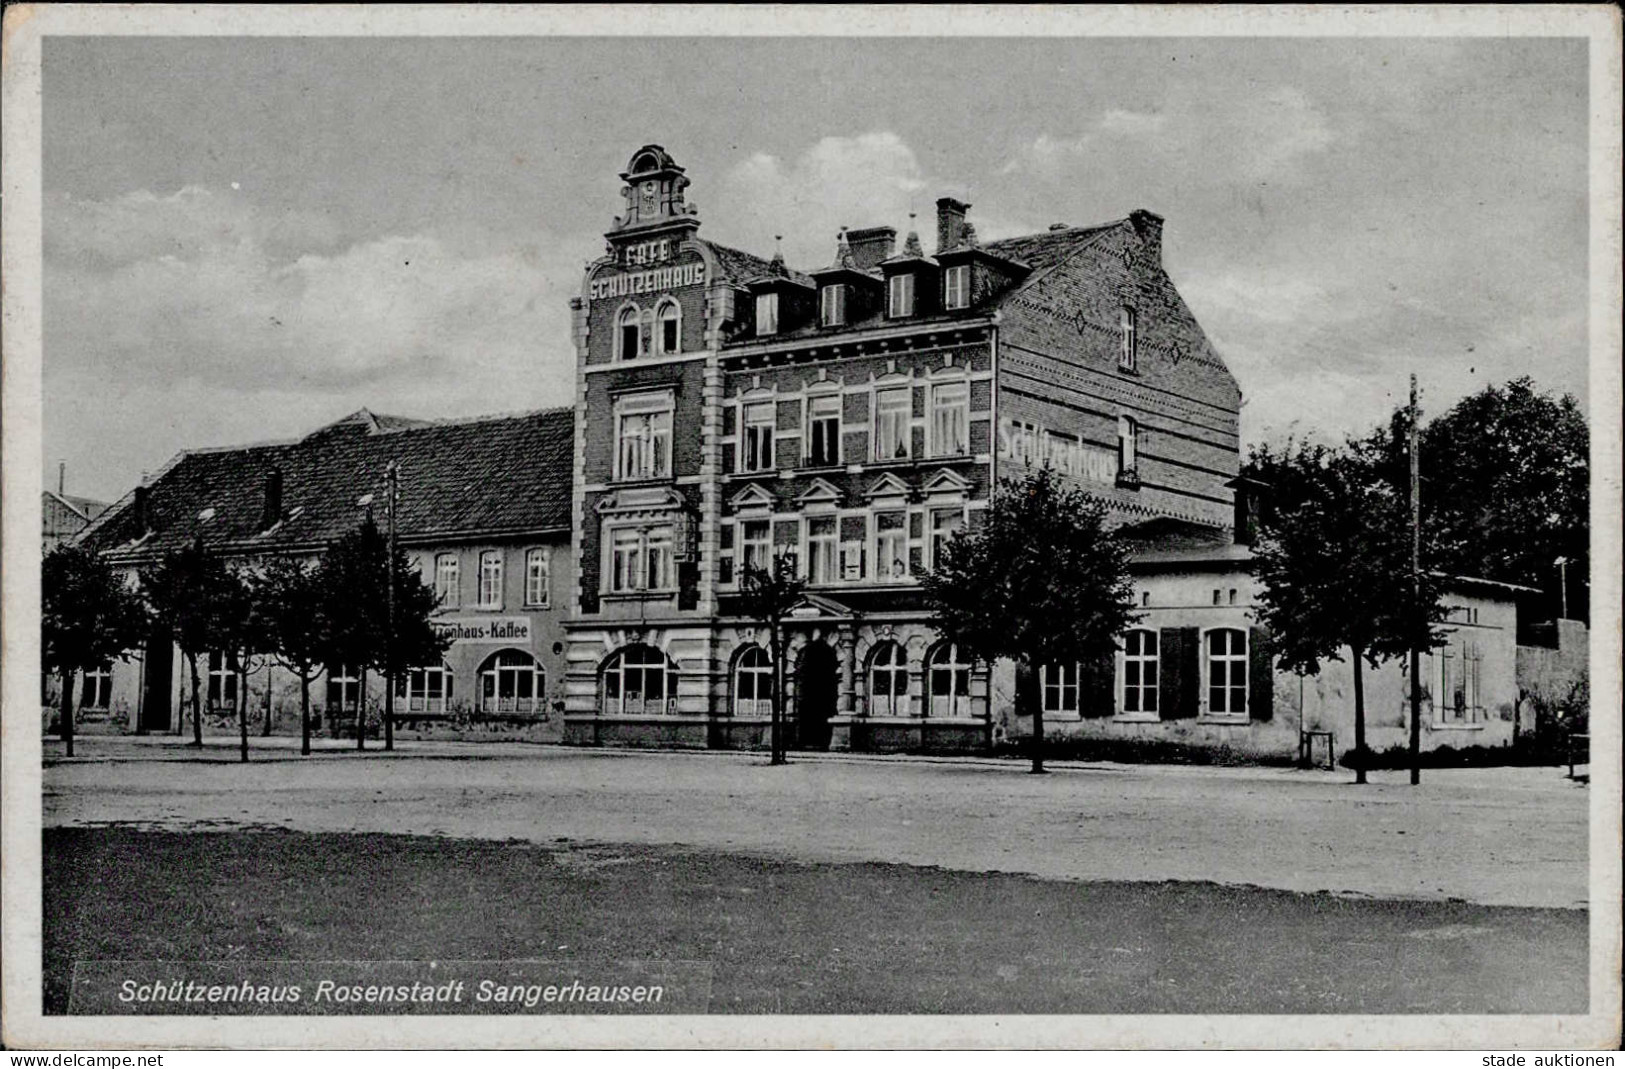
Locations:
{"points": [[832, 304], [956, 287], [1127, 328], [900, 300], [627, 334], [767, 313]]}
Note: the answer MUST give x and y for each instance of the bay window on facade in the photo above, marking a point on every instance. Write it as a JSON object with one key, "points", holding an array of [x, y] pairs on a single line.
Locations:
{"points": [[832, 305], [446, 586], [893, 412], [643, 431], [1226, 671], [1140, 672], [824, 430], [956, 287], [756, 451], [641, 559], [491, 579], [639, 681], [950, 419], [536, 578]]}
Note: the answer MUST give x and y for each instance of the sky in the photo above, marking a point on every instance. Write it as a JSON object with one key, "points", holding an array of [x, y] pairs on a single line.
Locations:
{"points": [[246, 238]]}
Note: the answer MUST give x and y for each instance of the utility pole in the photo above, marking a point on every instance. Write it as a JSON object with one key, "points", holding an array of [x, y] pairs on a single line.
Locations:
{"points": [[1416, 593], [393, 475]]}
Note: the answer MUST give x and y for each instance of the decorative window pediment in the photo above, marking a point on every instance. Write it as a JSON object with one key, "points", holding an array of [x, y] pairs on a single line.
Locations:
{"points": [[753, 498], [820, 494], [654, 499], [888, 485], [947, 483]]}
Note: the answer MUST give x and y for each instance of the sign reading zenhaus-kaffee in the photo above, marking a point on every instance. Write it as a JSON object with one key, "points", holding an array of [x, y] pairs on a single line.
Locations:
{"points": [[474, 630]]}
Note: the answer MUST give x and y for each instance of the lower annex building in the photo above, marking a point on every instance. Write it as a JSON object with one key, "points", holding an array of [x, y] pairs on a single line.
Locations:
{"points": [[730, 408]]}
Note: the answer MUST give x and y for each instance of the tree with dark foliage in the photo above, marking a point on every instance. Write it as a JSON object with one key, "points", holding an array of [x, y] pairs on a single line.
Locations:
{"points": [[768, 595], [1333, 560], [292, 601], [1042, 582], [199, 603], [88, 617]]}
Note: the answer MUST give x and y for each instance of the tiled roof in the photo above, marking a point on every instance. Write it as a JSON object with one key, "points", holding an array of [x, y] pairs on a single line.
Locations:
{"points": [[739, 266], [1044, 250], [458, 479]]}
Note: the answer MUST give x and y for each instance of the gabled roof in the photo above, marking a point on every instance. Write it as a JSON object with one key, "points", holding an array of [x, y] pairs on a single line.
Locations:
{"points": [[741, 267], [458, 479]]}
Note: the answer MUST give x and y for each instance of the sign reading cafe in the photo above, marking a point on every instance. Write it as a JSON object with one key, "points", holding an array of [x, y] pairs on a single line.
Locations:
{"points": [[486, 630], [652, 280]]}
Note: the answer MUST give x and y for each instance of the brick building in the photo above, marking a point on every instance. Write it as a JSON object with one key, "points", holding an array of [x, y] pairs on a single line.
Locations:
{"points": [[731, 407], [482, 510]]}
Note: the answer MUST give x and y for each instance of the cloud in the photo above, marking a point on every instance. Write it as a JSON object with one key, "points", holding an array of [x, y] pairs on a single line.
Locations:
{"points": [[208, 295], [1264, 133]]}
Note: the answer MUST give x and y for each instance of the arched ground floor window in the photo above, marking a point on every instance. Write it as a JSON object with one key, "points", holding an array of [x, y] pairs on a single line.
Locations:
{"points": [[753, 682], [947, 680], [511, 681], [638, 681], [888, 680]]}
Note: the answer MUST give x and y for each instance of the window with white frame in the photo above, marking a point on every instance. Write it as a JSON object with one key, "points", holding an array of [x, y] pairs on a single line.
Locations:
{"points": [[491, 579], [888, 681], [424, 690], [893, 412], [343, 689], [1060, 687], [511, 681], [756, 452], [767, 313], [944, 523], [643, 431], [1128, 444], [891, 545], [639, 681], [628, 334], [956, 287], [1140, 672], [824, 430], [821, 544], [1227, 672], [947, 681], [1459, 677], [641, 559], [671, 321], [755, 545], [753, 683], [446, 586], [950, 419], [832, 304], [900, 296], [1128, 330], [536, 577], [222, 680], [97, 690]]}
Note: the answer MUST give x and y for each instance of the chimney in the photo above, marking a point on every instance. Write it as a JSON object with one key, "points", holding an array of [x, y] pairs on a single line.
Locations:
{"points": [[950, 223], [871, 246], [61, 477], [143, 520], [271, 513], [1149, 226]]}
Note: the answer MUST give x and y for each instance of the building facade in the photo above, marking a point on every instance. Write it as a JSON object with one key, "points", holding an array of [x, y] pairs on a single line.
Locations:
{"points": [[731, 409], [482, 511]]}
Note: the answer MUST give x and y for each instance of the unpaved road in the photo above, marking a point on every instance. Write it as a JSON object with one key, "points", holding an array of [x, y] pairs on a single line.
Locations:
{"points": [[1493, 836]]}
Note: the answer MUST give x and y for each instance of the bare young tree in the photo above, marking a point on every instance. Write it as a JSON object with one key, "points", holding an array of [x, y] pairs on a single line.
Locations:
{"points": [[768, 595]]}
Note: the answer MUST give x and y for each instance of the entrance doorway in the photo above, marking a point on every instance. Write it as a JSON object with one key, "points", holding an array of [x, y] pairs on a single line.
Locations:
{"points": [[158, 670], [817, 682]]}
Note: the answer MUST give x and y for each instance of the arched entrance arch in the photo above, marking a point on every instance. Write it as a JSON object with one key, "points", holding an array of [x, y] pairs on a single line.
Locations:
{"points": [[818, 682]]}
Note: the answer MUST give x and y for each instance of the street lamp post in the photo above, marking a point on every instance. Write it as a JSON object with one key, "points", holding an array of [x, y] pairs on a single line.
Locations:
{"points": [[393, 475]]}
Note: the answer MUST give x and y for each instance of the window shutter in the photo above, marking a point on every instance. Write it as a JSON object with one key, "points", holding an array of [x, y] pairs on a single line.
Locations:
{"points": [[1181, 676], [1026, 689], [1260, 675], [1098, 686]]}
